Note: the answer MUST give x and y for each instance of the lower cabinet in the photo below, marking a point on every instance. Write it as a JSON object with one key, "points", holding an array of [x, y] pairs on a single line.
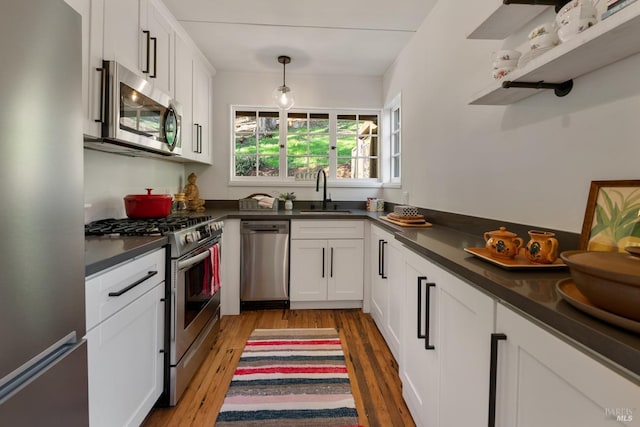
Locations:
{"points": [[125, 330], [388, 303], [328, 268], [444, 366], [543, 381]]}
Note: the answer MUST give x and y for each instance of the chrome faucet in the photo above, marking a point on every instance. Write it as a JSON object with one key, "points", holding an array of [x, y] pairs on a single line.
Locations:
{"points": [[324, 190]]}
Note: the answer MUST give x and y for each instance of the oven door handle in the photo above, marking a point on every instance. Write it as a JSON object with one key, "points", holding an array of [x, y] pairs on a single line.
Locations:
{"points": [[182, 265]]}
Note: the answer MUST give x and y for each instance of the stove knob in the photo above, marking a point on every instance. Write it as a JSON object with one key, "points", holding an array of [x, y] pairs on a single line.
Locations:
{"points": [[188, 238]]}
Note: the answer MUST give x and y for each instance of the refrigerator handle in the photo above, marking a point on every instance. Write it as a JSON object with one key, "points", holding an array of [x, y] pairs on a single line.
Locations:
{"points": [[38, 364]]}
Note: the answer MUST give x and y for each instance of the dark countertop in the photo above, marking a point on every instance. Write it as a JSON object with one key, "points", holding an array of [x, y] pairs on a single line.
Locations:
{"points": [[531, 292], [103, 252]]}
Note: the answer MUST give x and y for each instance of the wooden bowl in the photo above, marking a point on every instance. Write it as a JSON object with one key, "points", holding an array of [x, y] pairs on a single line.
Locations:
{"points": [[610, 280]]}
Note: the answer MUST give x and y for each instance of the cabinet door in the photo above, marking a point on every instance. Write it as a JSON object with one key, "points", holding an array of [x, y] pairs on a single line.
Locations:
{"points": [[122, 34], [184, 94], [419, 366], [125, 362], [345, 270], [308, 277], [465, 322], [543, 381], [201, 110], [379, 276], [396, 297], [92, 38], [161, 46]]}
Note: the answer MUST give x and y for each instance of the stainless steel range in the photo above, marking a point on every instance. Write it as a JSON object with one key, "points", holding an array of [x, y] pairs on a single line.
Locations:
{"points": [[193, 291]]}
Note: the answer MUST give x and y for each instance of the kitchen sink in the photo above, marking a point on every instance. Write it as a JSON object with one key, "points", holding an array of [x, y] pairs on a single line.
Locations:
{"points": [[325, 212]]}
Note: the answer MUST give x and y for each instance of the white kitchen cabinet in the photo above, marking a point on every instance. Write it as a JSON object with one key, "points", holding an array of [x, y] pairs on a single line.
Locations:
{"points": [[544, 381], [193, 92], [125, 340], [446, 347], [387, 287], [92, 12], [139, 35], [610, 40], [326, 269], [202, 111]]}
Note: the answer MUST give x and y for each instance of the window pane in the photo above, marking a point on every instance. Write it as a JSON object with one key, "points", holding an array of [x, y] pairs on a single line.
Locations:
{"points": [[319, 123], [245, 144], [245, 122], [347, 123], [357, 167], [269, 143], [245, 166], [346, 144], [269, 165], [395, 146], [396, 119], [395, 167]]}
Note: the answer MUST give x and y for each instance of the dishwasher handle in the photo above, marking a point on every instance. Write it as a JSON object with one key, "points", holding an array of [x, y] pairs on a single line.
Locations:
{"points": [[275, 227]]}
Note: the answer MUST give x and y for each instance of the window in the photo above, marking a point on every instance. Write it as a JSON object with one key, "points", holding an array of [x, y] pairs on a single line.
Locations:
{"points": [[395, 144], [279, 145]]}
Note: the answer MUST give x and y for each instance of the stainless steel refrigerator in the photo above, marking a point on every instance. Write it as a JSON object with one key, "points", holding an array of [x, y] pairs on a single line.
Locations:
{"points": [[43, 357]]}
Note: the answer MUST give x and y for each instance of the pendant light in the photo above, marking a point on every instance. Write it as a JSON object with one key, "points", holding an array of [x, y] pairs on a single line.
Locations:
{"points": [[283, 95]]}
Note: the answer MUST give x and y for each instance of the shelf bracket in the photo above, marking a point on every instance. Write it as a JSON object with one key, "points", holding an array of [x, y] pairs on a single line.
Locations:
{"points": [[560, 89], [557, 3]]}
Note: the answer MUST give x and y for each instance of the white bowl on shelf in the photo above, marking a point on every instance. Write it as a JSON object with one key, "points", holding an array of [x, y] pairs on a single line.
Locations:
{"points": [[576, 10], [505, 63], [542, 30], [501, 72], [574, 28], [545, 40], [507, 54]]}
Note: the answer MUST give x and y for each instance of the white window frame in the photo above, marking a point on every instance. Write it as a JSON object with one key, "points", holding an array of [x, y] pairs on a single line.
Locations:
{"points": [[391, 153], [282, 179]]}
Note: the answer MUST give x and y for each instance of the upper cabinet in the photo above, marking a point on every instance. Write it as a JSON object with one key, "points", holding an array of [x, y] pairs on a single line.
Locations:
{"points": [[138, 35], [610, 40], [193, 92], [92, 38]]}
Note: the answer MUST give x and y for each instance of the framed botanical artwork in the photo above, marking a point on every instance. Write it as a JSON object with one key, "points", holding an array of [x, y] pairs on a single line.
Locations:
{"points": [[612, 218]]}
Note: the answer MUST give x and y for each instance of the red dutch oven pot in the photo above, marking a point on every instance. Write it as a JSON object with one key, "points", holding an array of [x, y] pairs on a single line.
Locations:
{"points": [[147, 205]]}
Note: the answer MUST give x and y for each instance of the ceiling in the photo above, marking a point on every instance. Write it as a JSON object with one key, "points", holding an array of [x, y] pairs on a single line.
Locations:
{"points": [[349, 37]]}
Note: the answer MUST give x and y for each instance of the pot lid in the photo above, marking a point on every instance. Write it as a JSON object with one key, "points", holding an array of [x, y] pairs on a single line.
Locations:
{"points": [[622, 267], [502, 232], [148, 195]]}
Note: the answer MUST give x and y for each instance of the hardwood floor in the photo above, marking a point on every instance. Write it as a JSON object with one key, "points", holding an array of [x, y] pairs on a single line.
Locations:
{"points": [[373, 371]]}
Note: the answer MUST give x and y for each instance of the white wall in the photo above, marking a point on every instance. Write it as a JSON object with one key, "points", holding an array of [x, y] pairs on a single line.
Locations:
{"points": [[255, 90], [110, 177], [530, 162]]}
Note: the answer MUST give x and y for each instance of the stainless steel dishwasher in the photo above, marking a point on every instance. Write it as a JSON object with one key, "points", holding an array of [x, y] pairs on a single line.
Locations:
{"points": [[264, 264]]}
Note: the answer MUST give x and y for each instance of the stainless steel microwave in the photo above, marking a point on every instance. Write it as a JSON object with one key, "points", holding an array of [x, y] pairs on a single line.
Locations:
{"points": [[136, 118]]}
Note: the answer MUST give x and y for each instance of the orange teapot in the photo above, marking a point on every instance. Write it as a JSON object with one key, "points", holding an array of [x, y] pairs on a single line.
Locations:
{"points": [[502, 243]]}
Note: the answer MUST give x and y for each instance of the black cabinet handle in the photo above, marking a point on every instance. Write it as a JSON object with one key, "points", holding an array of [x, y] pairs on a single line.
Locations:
{"points": [[155, 57], [133, 285], [380, 257], [322, 262], [493, 374], [103, 79], [383, 273], [148, 35], [427, 303], [194, 141], [331, 274], [200, 139]]}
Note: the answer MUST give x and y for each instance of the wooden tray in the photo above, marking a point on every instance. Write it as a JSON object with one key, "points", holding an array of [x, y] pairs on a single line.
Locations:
{"points": [[571, 294], [407, 219], [404, 224], [520, 261]]}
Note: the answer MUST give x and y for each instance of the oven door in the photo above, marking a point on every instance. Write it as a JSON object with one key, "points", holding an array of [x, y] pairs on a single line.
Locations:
{"points": [[194, 301]]}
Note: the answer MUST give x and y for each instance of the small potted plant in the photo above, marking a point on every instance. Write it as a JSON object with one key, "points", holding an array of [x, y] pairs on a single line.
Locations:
{"points": [[288, 200]]}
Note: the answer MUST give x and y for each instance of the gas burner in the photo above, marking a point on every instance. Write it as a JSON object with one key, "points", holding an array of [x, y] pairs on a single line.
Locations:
{"points": [[143, 227]]}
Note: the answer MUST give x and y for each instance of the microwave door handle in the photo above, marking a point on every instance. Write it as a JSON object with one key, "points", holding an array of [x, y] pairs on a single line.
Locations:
{"points": [[182, 265], [148, 35], [103, 77]]}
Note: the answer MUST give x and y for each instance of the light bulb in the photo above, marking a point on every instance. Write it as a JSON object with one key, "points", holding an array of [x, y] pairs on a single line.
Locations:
{"points": [[283, 97]]}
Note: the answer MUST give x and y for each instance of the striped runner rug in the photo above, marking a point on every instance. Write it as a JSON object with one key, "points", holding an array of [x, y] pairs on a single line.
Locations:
{"points": [[290, 377]]}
